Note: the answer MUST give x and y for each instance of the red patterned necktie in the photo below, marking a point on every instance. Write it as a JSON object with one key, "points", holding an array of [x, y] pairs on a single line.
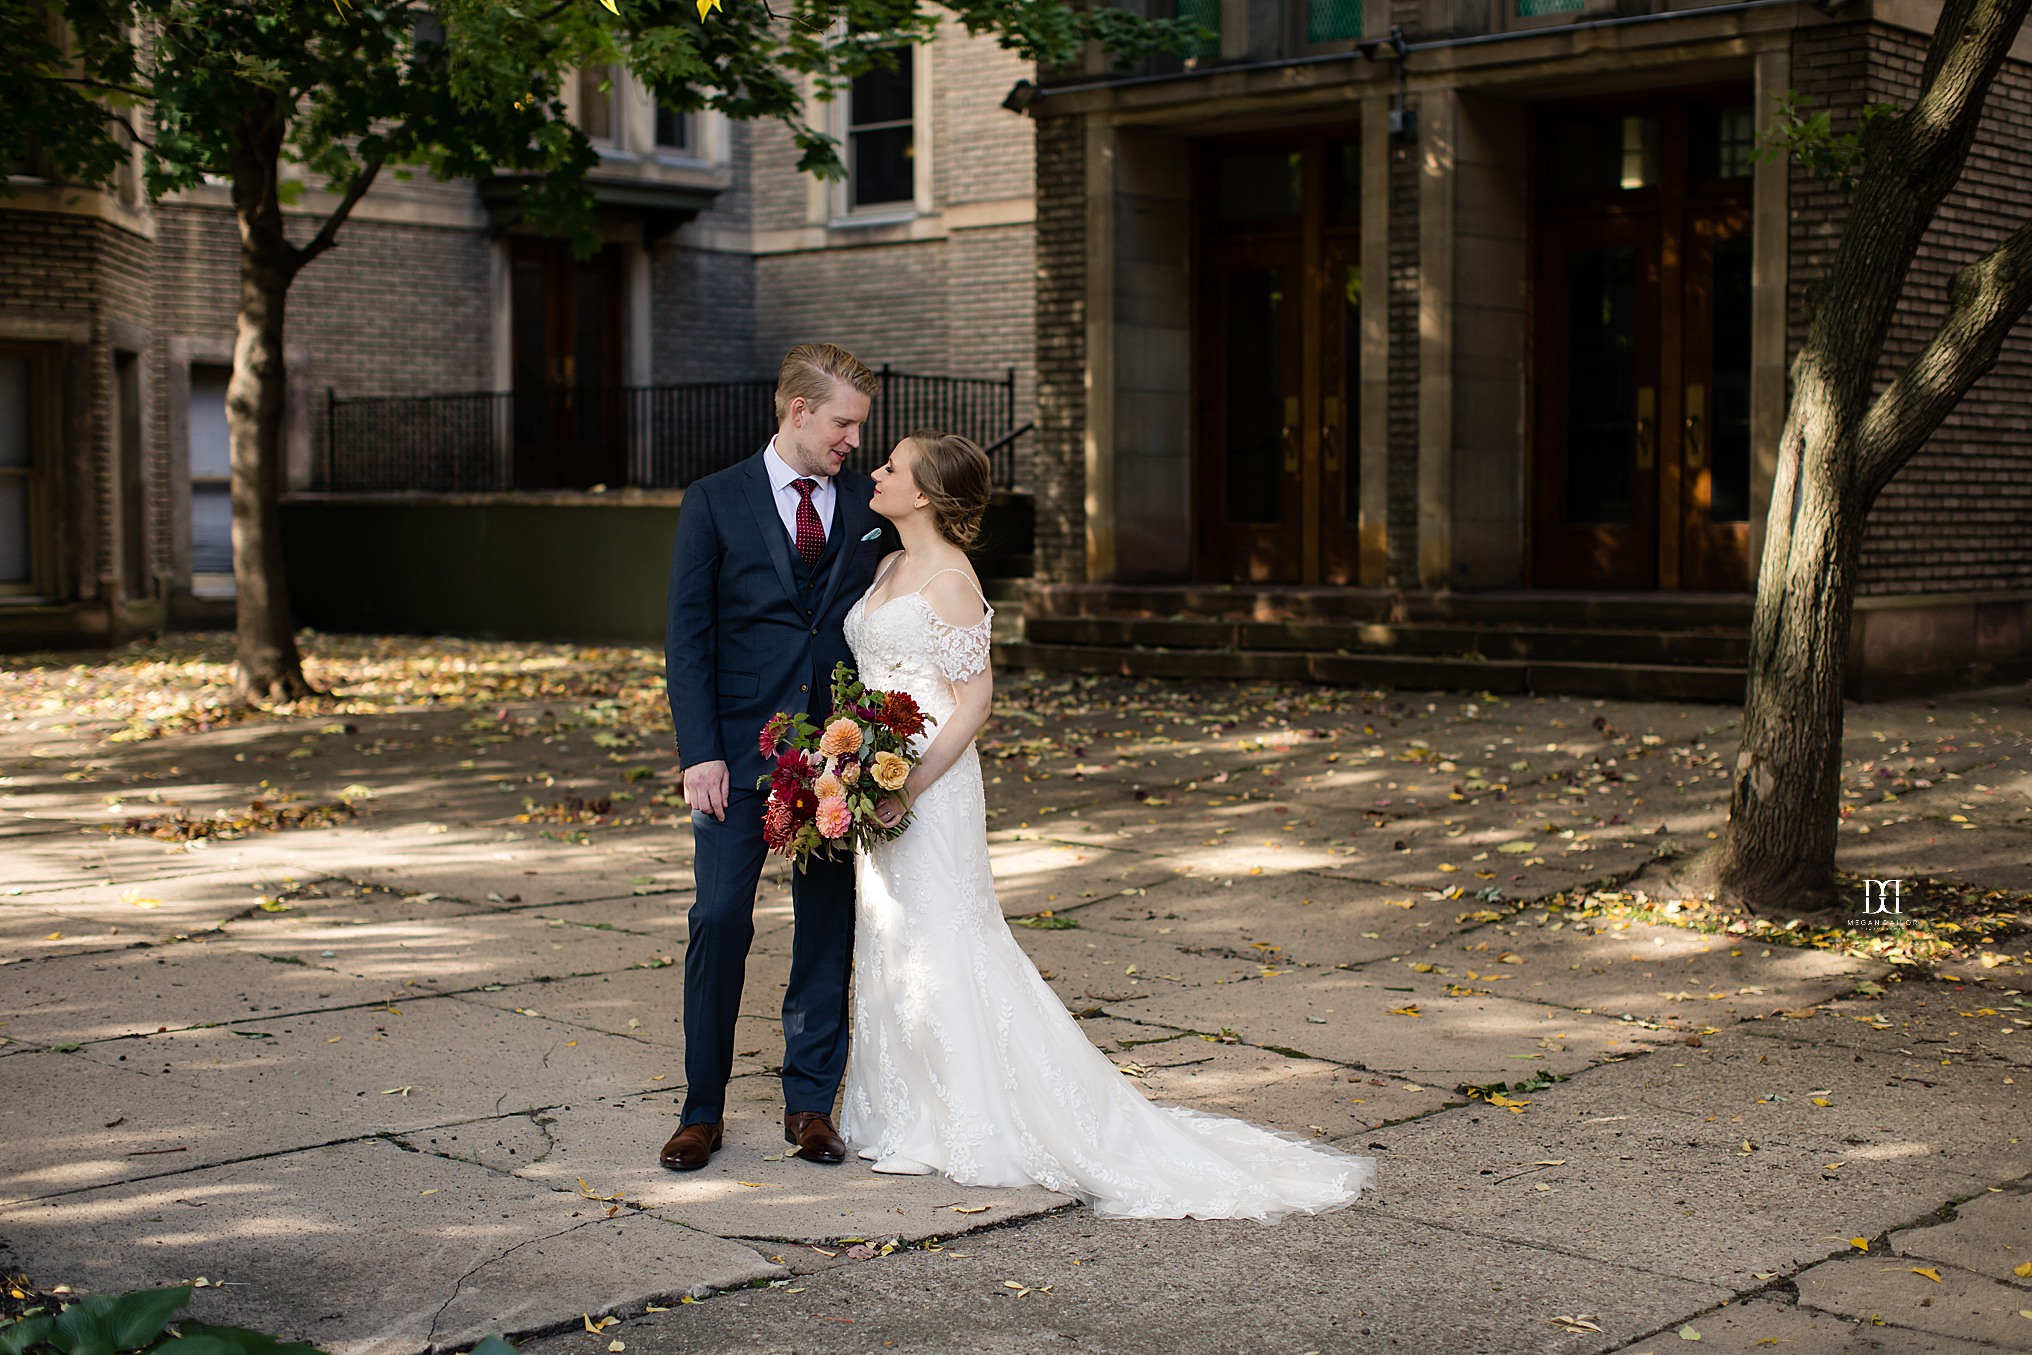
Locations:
{"points": [[810, 531]]}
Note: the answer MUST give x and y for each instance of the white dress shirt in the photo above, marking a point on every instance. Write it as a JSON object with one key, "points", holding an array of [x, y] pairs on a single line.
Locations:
{"points": [[783, 489]]}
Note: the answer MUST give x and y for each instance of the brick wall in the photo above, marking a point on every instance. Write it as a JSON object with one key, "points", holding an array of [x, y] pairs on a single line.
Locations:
{"points": [[702, 316], [1059, 450], [1958, 517], [59, 271]]}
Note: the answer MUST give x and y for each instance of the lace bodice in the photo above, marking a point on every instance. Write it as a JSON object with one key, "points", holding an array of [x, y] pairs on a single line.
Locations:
{"points": [[904, 645]]}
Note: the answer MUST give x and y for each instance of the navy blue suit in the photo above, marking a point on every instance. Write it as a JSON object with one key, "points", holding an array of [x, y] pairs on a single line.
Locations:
{"points": [[754, 631]]}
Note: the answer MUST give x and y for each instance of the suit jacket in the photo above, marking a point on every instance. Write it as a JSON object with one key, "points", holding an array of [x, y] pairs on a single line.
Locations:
{"points": [[751, 630]]}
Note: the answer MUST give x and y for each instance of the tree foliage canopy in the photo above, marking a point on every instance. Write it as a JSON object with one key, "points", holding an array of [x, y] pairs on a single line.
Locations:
{"points": [[458, 87]]}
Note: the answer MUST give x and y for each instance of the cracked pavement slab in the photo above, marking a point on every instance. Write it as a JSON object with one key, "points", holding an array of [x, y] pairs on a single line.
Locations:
{"points": [[401, 1101]]}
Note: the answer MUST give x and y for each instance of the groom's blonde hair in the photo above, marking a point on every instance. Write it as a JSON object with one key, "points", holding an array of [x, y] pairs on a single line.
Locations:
{"points": [[810, 371]]}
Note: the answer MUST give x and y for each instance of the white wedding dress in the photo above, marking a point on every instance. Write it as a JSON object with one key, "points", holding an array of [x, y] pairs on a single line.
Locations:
{"points": [[963, 1059]]}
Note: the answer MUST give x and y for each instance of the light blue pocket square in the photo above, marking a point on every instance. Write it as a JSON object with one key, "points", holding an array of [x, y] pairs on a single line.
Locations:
{"points": [[873, 532]]}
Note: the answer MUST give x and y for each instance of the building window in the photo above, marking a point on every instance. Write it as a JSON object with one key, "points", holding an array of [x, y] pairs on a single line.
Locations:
{"points": [[1207, 14], [596, 103], [1531, 9], [17, 472], [1735, 142], [211, 471], [881, 134], [673, 130], [1333, 20]]}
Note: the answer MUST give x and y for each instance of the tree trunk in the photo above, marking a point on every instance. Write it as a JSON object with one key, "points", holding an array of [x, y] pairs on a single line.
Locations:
{"points": [[1785, 807], [1842, 444], [269, 668]]}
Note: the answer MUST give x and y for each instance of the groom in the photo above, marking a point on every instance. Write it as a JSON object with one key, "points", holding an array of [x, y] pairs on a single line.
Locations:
{"points": [[770, 556]]}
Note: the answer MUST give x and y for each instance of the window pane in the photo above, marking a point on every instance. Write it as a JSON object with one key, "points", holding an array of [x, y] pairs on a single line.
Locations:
{"points": [[1332, 20], [211, 443], [596, 105], [1601, 383], [13, 529], [882, 95], [1207, 14], [882, 164], [211, 529], [1731, 136], [14, 444], [1255, 387], [1729, 501], [1530, 8], [1607, 155], [673, 129], [1351, 379], [1258, 184]]}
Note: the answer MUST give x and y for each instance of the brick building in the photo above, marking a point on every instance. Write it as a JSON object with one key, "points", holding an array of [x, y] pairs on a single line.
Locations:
{"points": [[116, 337], [1459, 356]]}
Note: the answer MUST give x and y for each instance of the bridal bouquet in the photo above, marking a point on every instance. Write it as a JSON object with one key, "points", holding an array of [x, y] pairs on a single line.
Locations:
{"points": [[823, 792]]}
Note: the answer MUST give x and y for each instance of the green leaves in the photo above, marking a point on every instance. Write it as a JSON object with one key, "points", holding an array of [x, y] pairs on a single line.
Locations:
{"points": [[17, 1337], [1810, 138], [138, 1318], [101, 1324], [202, 1338]]}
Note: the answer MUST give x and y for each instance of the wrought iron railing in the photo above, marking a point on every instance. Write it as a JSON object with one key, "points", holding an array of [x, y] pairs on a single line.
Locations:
{"points": [[652, 437]]}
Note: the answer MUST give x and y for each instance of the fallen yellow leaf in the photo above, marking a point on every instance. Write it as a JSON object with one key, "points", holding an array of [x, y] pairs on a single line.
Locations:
{"points": [[1928, 1271], [1412, 1010], [1860, 1243], [971, 1208], [2023, 1272]]}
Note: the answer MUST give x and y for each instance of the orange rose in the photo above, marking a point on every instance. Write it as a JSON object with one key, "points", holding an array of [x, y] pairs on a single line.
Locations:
{"points": [[890, 771]]}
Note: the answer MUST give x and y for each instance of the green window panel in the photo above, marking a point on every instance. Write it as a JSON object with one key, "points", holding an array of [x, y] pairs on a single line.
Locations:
{"points": [[1531, 9], [1332, 20], [1207, 14]]}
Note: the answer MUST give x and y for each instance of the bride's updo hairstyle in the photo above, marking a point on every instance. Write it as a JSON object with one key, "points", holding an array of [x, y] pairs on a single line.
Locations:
{"points": [[952, 472]]}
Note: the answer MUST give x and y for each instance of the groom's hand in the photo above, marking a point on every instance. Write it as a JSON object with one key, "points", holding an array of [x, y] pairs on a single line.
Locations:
{"points": [[705, 788]]}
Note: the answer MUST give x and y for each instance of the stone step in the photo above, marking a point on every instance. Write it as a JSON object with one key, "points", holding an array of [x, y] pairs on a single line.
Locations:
{"points": [[1561, 610], [1650, 681], [1690, 648]]}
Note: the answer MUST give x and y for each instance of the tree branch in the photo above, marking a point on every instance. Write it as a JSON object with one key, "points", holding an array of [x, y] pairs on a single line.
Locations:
{"points": [[1985, 300], [328, 233]]}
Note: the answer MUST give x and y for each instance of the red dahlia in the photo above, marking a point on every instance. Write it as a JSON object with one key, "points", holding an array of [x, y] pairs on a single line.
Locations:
{"points": [[778, 827], [901, 716]]}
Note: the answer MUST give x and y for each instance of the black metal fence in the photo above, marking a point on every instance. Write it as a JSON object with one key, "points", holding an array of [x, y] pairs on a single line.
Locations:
{"points": [[652, 437]]}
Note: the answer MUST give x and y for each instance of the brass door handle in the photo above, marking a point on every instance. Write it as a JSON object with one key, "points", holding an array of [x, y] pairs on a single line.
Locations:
{"points": [[1330, 437], [1291, 454], [1647, 427], [1696, 433]]}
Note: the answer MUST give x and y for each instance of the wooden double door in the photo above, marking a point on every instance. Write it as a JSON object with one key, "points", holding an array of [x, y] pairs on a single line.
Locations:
{"points": [[1640, 390], [569, 419], [1277, 359]]}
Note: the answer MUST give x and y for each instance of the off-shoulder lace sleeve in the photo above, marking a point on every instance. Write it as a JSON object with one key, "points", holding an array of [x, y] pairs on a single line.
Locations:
{"points": [[961, 651]]}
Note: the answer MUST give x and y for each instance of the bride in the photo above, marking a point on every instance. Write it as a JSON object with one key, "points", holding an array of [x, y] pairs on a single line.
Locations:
{"points": [[963, 1061]]}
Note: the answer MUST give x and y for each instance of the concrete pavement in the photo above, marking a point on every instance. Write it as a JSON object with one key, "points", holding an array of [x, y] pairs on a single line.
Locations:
{"points": [[397, 1080]]}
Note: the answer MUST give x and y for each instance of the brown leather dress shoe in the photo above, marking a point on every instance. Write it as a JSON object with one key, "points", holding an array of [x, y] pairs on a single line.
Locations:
{"points": [[692, 1146], [816, 1139]]}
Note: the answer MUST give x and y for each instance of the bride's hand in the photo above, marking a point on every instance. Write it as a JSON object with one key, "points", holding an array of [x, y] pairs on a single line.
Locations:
{"points": [[890, 811]]}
